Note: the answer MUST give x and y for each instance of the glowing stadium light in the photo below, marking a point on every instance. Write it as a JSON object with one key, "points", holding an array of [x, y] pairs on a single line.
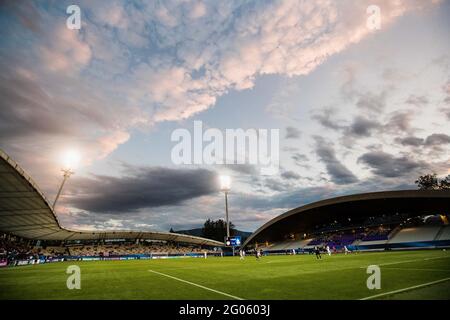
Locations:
{"points": [[71, 160], [225, 183]]}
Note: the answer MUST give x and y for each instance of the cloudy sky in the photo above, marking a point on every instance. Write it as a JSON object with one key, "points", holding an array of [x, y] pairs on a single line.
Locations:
{"points": [[358, 109]]}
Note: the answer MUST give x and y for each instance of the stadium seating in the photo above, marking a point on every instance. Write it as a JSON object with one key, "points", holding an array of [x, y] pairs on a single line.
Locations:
{"points": [[297, 244], [287, 245], [15, 251], [444, 233], [316, 242], [416, 234], [131, 249], [378, 234]]}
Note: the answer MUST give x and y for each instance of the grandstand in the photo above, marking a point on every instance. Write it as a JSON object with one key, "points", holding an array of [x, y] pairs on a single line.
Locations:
{"points": [[416, 234], [392, 220], [29, 228]]}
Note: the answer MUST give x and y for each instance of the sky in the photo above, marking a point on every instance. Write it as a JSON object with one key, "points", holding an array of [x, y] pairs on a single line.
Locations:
{"points": [[358, 109]]}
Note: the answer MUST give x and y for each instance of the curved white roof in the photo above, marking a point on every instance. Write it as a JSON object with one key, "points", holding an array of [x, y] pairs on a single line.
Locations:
{"points": [[25, 212]]}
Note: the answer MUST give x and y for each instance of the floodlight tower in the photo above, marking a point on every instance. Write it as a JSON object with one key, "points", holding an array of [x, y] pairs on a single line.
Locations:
{"points": [[71, 159], [225, 186]]}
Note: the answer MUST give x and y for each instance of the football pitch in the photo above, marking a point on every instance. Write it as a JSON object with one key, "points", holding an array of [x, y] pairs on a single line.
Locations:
{"points": [[404, 275]]}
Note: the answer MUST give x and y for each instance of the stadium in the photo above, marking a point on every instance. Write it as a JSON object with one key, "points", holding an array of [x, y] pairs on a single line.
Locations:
{"points": [[224, 159], [405, 233], [389, 220]]}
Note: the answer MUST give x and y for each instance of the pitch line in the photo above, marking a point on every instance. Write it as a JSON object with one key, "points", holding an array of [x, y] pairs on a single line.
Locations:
{"points": [[407, 261], [417, 269], [434, 258], [405, 289], [197, 285], [415, 260]]}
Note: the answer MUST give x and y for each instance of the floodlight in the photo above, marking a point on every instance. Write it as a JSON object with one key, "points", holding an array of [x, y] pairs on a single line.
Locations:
{"points": [[225, 183], [71, 159]]}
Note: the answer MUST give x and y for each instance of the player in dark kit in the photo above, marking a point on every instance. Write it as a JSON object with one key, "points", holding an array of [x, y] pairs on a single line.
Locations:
{"points": [[317, 251]]}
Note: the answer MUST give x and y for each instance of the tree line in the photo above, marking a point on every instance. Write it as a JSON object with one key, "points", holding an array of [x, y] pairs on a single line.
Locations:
{"points": [[217, 229], [432, 182]]}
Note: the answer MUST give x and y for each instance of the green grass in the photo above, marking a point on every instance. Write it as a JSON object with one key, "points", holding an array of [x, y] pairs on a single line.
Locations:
{"points": [[274, 277]]}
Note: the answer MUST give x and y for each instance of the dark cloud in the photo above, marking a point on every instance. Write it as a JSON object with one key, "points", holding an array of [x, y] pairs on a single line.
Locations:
{"points": [[51, 116], [292, 133], [300, 160], [327, 119], [362, 127], [275, 185], [141, 188], [372, 102], [386, 165], [437, 139], [399, 121], [290, 175], [247, 169], [28, 110], [287, 200], [338, 172], [410, 141], [298, 157]]}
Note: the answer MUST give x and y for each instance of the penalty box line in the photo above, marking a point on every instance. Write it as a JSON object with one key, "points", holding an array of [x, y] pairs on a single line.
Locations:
{"points": [[405, 289], [196, 285]]}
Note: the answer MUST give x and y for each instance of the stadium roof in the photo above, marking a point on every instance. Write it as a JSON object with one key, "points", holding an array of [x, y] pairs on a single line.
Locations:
{"points": [[25, 212], [356, 207]]}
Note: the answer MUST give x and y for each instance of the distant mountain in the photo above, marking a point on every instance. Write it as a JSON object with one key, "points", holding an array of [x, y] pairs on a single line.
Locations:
{"points": [[198, 233]]}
